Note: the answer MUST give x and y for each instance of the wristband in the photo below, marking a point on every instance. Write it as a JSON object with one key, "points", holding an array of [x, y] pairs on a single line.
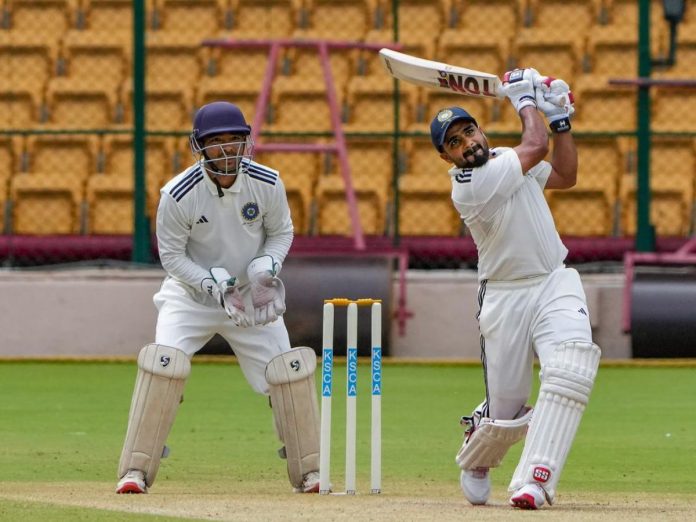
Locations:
{"points": [[560, 125]]}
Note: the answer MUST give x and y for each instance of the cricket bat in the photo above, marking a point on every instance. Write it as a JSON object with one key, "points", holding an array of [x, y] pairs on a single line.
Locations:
{"points": [[442, 76]]}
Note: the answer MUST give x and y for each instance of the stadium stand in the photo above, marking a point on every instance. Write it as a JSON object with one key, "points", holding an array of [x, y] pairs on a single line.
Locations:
{"points": [[268, 19]]}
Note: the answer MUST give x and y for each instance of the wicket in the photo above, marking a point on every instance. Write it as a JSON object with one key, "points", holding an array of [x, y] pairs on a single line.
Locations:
{"points": [[351, 393]]}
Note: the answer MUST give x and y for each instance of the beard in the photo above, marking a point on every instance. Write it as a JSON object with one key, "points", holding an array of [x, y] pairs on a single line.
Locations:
{"points": [[480, 155]]}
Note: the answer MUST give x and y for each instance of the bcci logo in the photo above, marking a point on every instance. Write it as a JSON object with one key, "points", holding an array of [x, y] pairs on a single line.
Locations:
{"points": [[541, 474], [250, 211], [444, 115], [165, 360]]}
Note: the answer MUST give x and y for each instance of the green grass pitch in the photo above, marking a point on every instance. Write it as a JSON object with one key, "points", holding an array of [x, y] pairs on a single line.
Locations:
{"points": [[65, 423]]}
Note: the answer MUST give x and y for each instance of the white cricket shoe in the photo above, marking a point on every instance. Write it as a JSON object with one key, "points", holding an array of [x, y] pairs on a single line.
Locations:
{"points": [[132, 482], [476, 485], [529, 496], [310, 483]]}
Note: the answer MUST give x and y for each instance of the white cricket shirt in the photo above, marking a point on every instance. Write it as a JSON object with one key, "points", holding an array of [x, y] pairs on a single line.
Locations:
{"points": [[508, 217], [197, 229]]}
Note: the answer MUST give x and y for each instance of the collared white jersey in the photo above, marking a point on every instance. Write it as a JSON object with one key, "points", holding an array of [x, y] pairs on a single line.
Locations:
{"points": [[508, 217], [198, 229]]}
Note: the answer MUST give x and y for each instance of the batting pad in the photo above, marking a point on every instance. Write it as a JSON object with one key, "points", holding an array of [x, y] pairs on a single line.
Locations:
{"points": [[295, 408], [490, 441], [159, 385], [566, 383]]}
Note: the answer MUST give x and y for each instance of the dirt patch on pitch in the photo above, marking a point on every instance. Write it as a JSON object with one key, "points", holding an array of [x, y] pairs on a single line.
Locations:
{"points": [[187, 502]]}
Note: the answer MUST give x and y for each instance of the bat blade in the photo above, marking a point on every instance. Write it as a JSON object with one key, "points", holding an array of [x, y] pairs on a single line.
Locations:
{"points": [[441, 76]]}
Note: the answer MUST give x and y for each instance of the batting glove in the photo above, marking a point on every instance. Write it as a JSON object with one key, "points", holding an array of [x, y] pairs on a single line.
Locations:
{"points": [[267, 290], [555, 99], [224, 289], [518, 85]]}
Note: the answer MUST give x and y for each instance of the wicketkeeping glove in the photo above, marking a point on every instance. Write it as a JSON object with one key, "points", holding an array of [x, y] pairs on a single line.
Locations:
{"points": [[267, 290], [224, 289], [555, 99], [518, 85]]}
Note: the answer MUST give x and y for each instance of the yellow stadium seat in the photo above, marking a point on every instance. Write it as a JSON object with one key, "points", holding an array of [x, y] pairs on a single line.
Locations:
{"points": [[95, 62], [306, 67], [267, 19], [588, 209], [299, 172], [370, 105], [551, 55], [337, 19], [11, 148], [28, 61], [622, 16], [420, 17], [489, 55], [72, 104], [21, 105], [110, 204], [602, 107], [672, 176], [168, 109], [48, 18], [565, 19], [673, 108], [173, 63], [46, 204], [112, 17], [490, 20], [371, 193], [66, 156], [230, 61], [193, 20], [300, 107], [685, 64], [425, 205]]}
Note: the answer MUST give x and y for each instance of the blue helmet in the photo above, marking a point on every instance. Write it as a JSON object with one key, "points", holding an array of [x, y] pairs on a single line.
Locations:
{"points": [[221, 118]]}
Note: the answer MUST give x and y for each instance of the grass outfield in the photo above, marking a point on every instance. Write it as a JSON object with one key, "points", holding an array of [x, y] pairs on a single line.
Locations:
{"points": [[62, 427]]}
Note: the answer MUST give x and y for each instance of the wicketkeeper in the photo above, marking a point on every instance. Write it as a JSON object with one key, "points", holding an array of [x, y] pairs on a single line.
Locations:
{"points": [[529, 302], [223, 231]]}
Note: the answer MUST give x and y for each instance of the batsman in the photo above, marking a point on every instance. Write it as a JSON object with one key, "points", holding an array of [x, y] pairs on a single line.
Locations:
{"points": [[223, 231], [530, 303]]}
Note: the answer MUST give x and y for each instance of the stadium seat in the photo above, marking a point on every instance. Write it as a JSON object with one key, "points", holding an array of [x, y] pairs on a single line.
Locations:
{"points": [[74, 156], [672, 176], [21, 105], [192, 20], [370, 105], [228, 62], [601, 107], [98, 63], [299, 172], [173, 64], [110, 21], [48, 18], [268, 19], [72, 104], [425, 205], [490, 20], [168, 109], [622, 16], [564, 19], [456, 47], [305, 65], [685, 65], [551, 55], [588, 209], [371, 193], [28, 61], [46, 204], [672, 109], [11, 149], [110, 203], [300, 107], [337, 19]]}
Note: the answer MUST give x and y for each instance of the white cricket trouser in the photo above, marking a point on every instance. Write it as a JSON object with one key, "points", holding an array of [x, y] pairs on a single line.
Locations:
{"points": [[519, 318], [187, 320]]}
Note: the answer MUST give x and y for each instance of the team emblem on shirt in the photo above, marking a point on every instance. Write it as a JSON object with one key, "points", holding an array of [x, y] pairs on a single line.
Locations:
{"points": [[250, 211]]}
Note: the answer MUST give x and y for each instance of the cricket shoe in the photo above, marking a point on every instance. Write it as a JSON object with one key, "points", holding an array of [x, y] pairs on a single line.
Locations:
{"points": [[476, 485], [310, 483], [529, 496], [132, 482]]}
